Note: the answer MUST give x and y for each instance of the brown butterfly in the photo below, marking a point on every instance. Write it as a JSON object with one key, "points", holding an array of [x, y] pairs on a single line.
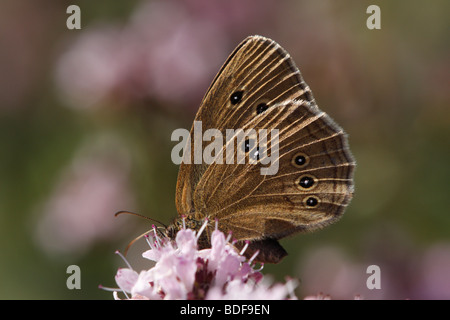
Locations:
{"points": [[259, 87]]}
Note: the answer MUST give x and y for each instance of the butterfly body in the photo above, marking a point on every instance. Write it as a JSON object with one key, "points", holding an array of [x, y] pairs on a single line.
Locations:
{"points": [[311, 178]]}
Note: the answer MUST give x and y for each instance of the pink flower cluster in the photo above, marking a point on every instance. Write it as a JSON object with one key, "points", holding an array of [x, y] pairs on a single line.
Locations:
{"points": [[184, 272]]}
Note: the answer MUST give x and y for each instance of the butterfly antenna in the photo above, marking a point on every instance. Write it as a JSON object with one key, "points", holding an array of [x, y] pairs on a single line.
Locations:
{"points": [[142, 235], [133, 241], [139, 215]]}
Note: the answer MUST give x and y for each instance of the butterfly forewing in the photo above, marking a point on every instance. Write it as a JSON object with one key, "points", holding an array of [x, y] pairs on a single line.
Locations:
{"points": [[265, 74]]}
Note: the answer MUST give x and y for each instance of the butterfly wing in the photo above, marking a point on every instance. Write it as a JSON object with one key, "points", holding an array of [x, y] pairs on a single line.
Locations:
{"points": [[298, 197], [266, 74], [259, 87]]}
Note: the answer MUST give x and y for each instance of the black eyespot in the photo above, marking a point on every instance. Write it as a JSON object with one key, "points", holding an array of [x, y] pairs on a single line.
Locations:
{"points": [[306, 182], [300, 160], [236, 97], [312, 202], [260, 108]]}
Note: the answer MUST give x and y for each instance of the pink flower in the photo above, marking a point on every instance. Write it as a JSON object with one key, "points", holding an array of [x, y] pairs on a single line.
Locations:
{"points": [[433, 279], [78, 211], [319, 296], [184, 272]]}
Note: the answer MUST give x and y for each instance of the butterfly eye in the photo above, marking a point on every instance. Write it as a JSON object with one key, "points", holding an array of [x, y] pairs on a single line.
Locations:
{"points": [[311, 202], [306, 182], [300, 160], [236, 97], [260, 108]]}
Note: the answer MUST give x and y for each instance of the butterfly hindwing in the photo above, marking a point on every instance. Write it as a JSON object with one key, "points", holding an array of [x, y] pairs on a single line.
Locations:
{"points": [[257, 206]]}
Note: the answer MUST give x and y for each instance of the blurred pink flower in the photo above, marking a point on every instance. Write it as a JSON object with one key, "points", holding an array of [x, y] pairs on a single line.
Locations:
{"points": [[328, 270], [319, 296], [404, 273], [184, 272], [434, 278], [81, 209], [168, 51], [93, 69], [150, 57]]}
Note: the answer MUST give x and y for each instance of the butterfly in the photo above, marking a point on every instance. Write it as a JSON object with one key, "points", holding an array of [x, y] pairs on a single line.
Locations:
{"points": [[260, 87]]}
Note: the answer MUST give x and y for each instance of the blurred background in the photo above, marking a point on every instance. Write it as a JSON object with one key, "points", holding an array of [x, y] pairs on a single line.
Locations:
{"points": [[86, 117]]}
